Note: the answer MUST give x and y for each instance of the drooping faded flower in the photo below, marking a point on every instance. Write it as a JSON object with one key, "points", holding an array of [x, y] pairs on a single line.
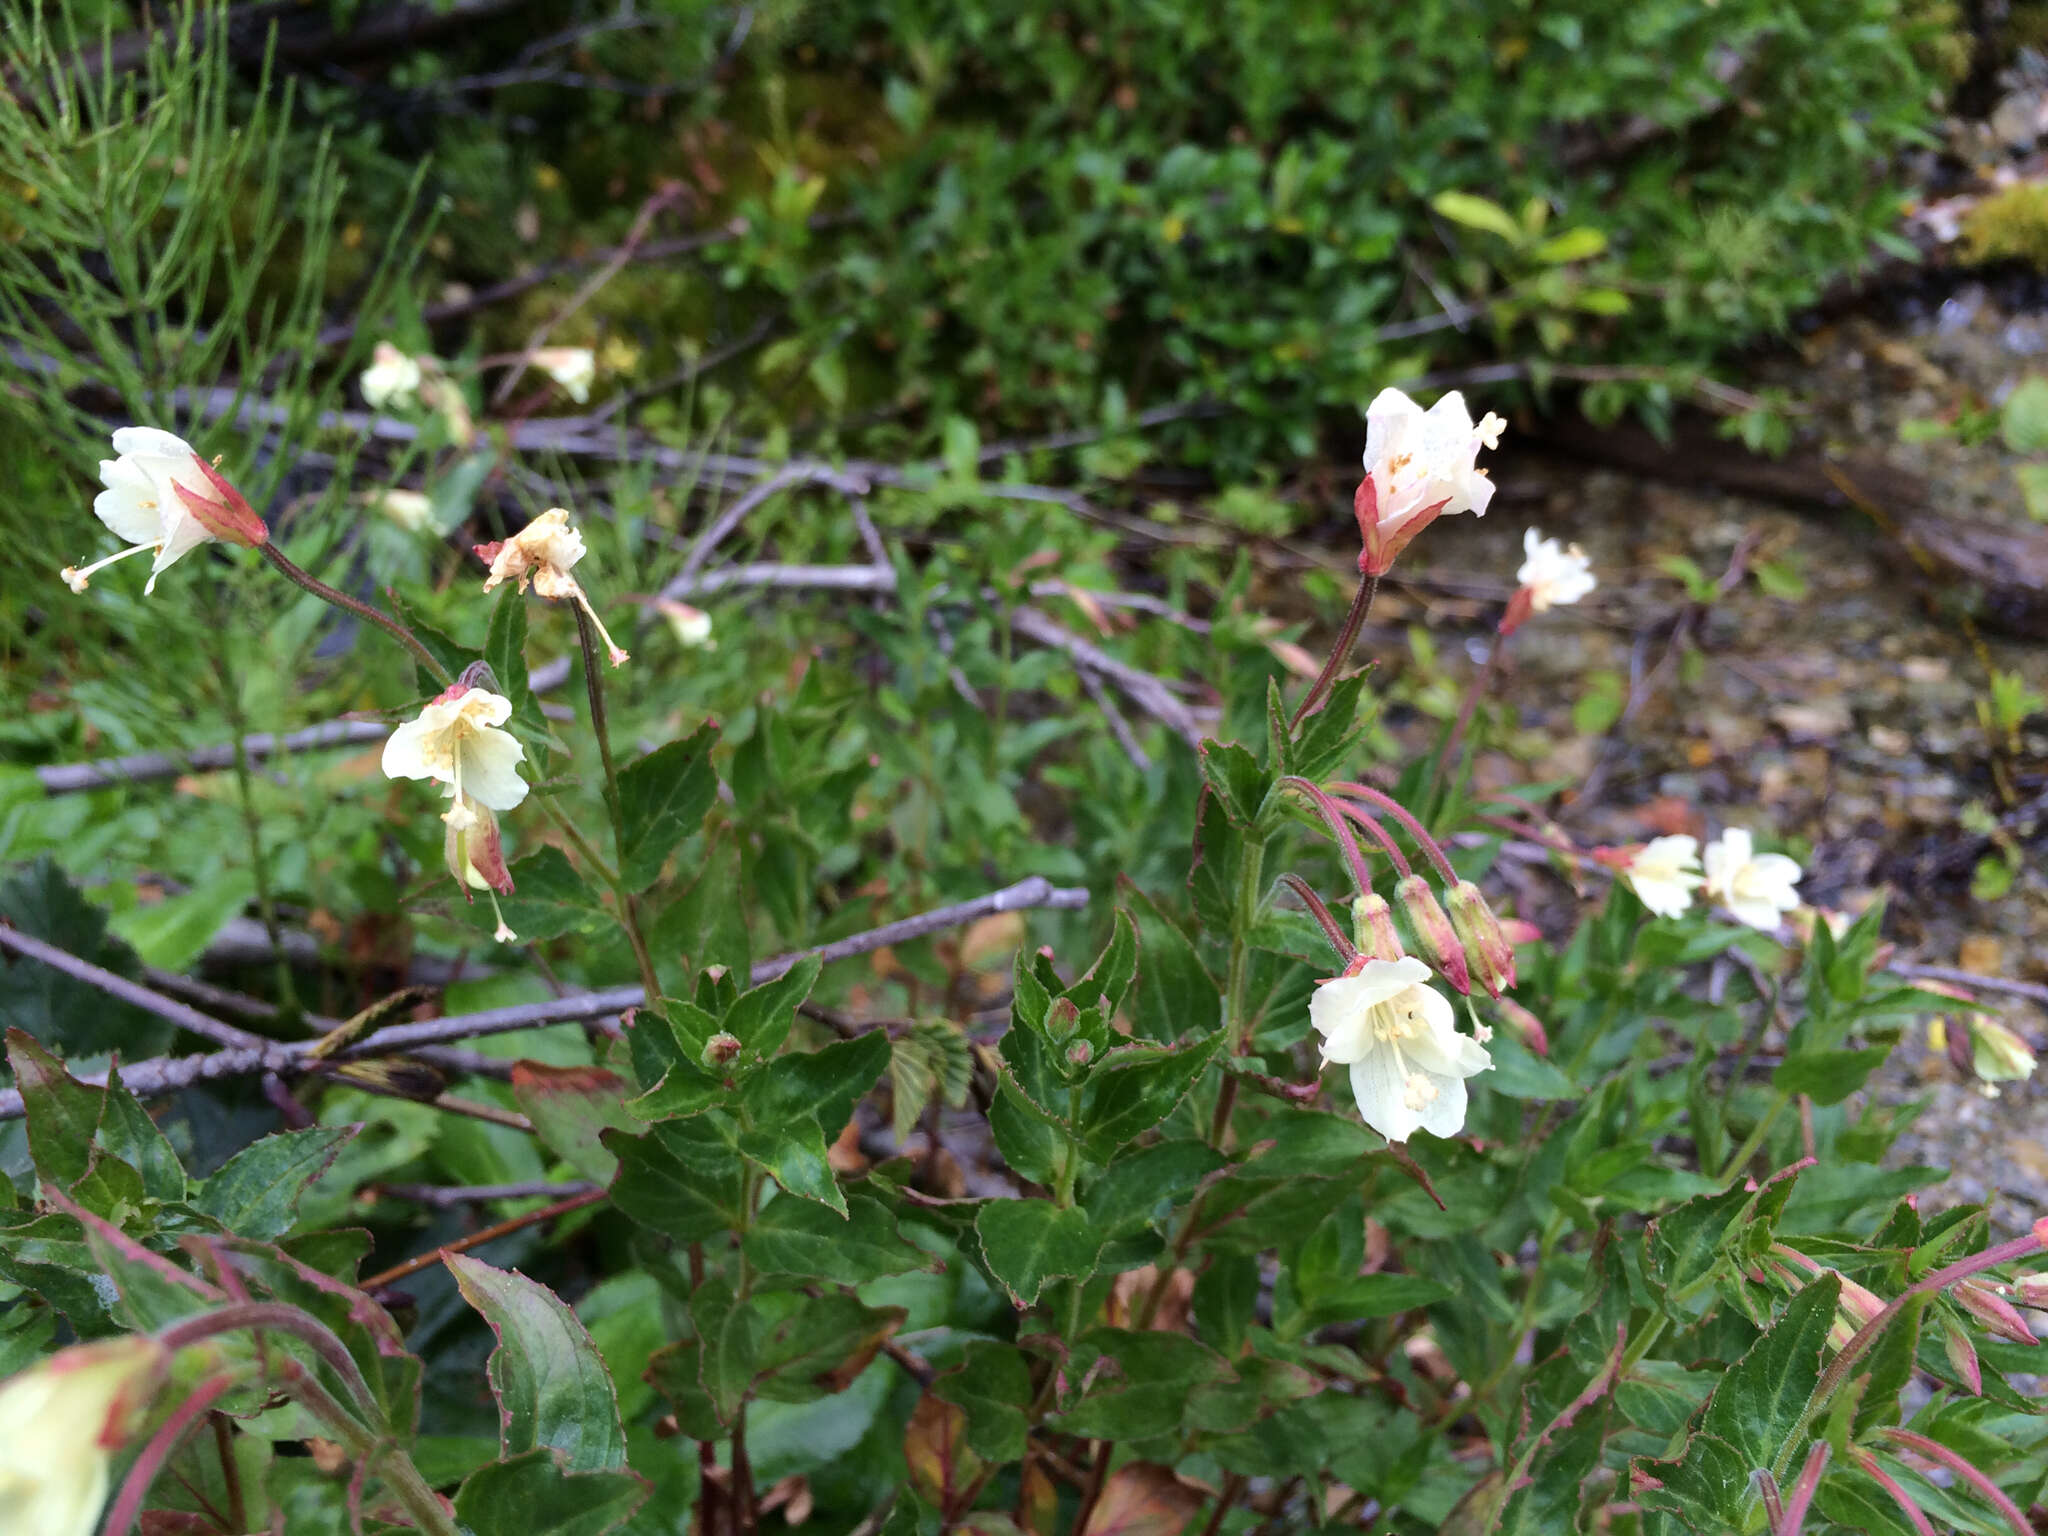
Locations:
{"points": [[1664, 873], [457, 741], [60, 1423], [165, 500], [393, 378], [573, 368], [1756, 887], [543, 552], [1400, 1039], [1419, 465]]}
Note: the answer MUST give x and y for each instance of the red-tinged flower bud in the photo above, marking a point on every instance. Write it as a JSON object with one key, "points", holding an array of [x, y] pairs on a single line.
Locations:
{"points": [[2032, 1290], [1434, 935], [1062, 1018], [1080, 1053], [1523, 1025], [227, 517], [1993, 1311], [1487, 951], [1372, 922], [1519, 608], [720, 1049], [1962, 1356]]}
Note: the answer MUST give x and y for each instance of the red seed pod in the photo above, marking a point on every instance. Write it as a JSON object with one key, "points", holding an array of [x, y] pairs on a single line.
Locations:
{"points": [[1487, 950]]}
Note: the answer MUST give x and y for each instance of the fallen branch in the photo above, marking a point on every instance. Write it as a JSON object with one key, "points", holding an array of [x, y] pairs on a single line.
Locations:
{"points": [[449, 1197], [249, 1054]]}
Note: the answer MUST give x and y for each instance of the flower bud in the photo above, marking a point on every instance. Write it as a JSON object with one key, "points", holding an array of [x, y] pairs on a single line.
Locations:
{"points": [[2032, 1291], [1523, 1025], [1372, 922], [1993, 1311], [1434, 935], [1062, 1018], [1080, 1053], [1962, 1356], [1487, 951], [225, 514], [720, 1049]]}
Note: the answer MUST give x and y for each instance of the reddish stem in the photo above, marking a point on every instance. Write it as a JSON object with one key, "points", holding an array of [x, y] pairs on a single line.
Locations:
{"points": [[1333, 816], [1401, 813], [1347, 637], [1967, 1470], [1346, 950], [1370, 823], [135, 1488]]}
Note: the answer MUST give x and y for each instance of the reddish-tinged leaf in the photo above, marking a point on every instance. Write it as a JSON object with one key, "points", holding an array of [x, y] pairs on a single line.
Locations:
{"points": [[571, 1108], [941, 1466], [1143, 1500]]}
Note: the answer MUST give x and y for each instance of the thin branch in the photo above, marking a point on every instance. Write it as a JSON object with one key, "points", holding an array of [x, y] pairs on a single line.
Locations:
{"points": [[1144, 689], [72, 778], [167, 1074], [148, 999], [448, 1197], [781, 480], [1961, 978]]}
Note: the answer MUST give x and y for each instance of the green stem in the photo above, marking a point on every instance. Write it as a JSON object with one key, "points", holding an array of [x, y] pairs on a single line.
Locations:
{"points": [[1756, 1137], [356, 606], [600, 727], [252, 822]]}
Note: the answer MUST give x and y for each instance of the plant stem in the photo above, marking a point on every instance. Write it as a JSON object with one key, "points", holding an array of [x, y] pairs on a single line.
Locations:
{"points": [[356, 606], [1361, 605], [252, 822], [629, 913], [511, 1224], [1755, 1139], [1233, 1490]]}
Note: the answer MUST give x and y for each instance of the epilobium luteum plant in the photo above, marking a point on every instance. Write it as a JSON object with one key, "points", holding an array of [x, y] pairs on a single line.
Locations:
{"points": [[1323, 1195]]}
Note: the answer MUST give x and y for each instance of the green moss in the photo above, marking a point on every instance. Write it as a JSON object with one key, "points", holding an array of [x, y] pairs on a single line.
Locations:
{"points": [[2009, 226]]}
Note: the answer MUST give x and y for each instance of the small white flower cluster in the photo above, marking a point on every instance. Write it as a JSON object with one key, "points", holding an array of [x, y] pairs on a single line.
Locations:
{"points": [[397, 380]]}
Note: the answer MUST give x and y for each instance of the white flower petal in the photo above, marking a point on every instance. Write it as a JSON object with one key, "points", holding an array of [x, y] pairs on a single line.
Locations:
{"points": [[1444, 1115], [1381, 1089], [490, 768], [406, 752], [151, 442]]}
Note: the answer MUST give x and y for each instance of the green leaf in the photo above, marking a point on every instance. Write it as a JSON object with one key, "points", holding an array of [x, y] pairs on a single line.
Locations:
{"points": [[551, 1384], [794, 1152], [808, 1240], [437, 642], [662, 800], [1137, 1183], [1133, 1088], [172, 933], [819, 1348], [550, 899], [993, 1386], [536, 1496], [1709, 1479], [1685, 1243], [1139, 1384], [682, 1179], [1369, 1296], [1330, 735], [571, 1108], [1578, 244], [127, 1132], [2024, 419], [1178, 996], [1113, 972], [1478, 213], [63, 1114], [1236, 780], [1762, 1400], [256, 1192], [726, 1333], [929, 1061], [761, 1019], [2033, 483], [1028, 1242], [66, 1014], [1828, 1077], [824, 1084], [1550, 1501]]}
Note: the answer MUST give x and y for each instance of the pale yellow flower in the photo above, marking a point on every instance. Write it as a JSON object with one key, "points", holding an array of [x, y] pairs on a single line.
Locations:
{"points": [[60, 1423], [1399, 1037], [542, 553]]}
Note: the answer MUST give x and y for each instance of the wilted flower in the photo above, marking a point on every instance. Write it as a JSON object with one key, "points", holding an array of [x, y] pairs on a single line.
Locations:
{"points": [[1552, 576], [411, 510], [1664, 873], [164, 499], [392, 378], [542, 552], [60, 1422], [1418, 466], [574, 368], [1399, 1037], [476, 858], [692, 626], [1756, 887], [1998, 1054]]}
